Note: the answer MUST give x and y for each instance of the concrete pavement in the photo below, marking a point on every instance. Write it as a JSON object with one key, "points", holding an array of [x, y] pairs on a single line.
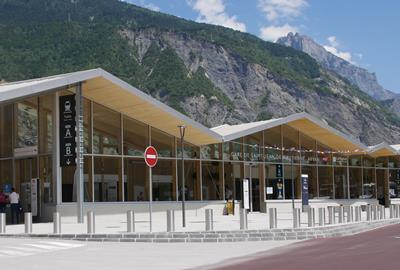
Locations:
{"points": [[66, 255]]}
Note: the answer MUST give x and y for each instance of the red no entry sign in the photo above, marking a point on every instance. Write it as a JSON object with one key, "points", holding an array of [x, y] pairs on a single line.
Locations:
{"points": [[150, 156]]}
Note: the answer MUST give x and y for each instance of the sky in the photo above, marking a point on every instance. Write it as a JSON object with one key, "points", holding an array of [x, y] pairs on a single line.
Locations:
{"points": [[363, 32]]}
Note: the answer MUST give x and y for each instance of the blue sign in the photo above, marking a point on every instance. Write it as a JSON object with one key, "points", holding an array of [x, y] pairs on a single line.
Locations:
{"points": [[304, 189], [279, 171]]}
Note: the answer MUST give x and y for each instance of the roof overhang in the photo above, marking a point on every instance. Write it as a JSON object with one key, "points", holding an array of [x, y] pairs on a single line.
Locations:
{"points": [[303, 122], [110, 91], [382, 150]]}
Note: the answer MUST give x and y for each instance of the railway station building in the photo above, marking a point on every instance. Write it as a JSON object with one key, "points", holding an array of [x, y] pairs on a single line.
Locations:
{"points": [[119, 121]]}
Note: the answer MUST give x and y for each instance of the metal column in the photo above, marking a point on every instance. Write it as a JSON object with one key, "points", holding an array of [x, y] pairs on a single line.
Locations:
{"points": [[79, 152]]}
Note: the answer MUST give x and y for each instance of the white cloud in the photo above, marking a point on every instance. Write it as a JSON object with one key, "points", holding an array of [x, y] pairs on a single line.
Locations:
{"points": [[272, 33], [275, 10], [213, 11], [332, 47], [152, 7]]}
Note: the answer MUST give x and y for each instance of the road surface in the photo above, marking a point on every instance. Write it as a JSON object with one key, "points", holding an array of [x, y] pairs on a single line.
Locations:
{"points": [[377, 249]]}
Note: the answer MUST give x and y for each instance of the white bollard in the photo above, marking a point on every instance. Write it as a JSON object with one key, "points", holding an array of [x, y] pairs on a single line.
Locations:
{"points": [[56, 223], [243, 219], [28, 222], [311, 217], [2, 223], [91, 223], [273, 216], [296, 218], [349, 214], [321, 216], [130, 221], [368, 208], [331, 215], [170, 220], [341, 214], [209, 220]]}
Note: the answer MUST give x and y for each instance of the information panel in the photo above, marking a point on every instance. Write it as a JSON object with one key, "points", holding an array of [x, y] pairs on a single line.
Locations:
{"points": [[304, 189], [67, 131]]}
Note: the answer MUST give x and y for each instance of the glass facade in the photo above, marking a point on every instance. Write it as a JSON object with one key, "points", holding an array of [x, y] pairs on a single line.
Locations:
{"points": [[114, 169]]}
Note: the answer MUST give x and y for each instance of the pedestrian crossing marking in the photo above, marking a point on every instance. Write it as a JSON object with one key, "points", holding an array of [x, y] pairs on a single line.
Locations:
{"points": [[28, 249]]}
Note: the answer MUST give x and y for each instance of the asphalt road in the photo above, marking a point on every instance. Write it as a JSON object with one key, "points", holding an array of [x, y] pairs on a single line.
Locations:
{"points": [[377, 249]]}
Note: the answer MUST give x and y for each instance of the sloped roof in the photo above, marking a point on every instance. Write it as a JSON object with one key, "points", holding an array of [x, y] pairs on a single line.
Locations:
{"points": [[108, 90], [382, 149], [303, 122]]}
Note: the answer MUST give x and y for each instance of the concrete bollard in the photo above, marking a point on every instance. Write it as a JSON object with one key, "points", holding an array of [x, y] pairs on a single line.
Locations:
{"points": [[130, 221], [273, 216], [357, 213], [91, 223], [384, 211], [209, 220], [296, 218], [28, 222], [349, 210], [56, 223], [321, 216], [368, 208], [341, 214], [331, 215], [374, 212], [170, 220], [2, 223], [311, 217], [397, 211], [243, 219]]}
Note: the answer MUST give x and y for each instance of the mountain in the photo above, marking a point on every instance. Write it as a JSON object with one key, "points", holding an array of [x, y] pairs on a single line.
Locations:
{"points": [[213, 74], [361, 77]]}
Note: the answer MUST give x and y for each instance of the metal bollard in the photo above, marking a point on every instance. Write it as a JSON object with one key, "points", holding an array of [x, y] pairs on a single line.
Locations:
{"points": [[311, 217], [243, 219], [331, 215], [349, 214], [296, 218], [368, 208], [341, 214], [273, 223], [391, 211], [2, 223], [374, 212], [170, 220], [130, 221], [209, 220], [91, 229], [384, 211], [357, 213], [56, 223], [28, 222], [321, 216], [397, 211]]}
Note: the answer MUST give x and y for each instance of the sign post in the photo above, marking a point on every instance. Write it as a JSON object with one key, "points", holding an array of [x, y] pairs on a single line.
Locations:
{"points": [[151, 158], [67, 131], [304, 192]]}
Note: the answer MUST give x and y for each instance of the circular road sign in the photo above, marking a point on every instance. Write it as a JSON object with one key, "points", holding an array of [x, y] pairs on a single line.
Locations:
{"points": [[150, 156]]}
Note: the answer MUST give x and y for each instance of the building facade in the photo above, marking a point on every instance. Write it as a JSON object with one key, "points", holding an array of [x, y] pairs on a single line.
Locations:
{"points": [[119, 122]]}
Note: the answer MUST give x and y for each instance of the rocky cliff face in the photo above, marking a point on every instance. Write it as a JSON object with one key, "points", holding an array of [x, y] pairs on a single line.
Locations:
{"points": [[364, 79], [257, 94]]}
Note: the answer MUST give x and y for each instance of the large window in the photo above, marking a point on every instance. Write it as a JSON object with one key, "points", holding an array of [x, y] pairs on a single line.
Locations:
{"points": [[192, 180], [107, 179], [135, 137], [369, 183], [274, 182], [163, 176], [252, 147], [163, 142], [273, 144], [355, 181], [341, 188], [106, 131], [135, 179], [290, 144], [232, 176], [308, 147], [394, 183], [6, 131], [46, 123], [211, 172], [27, 124], [292, 173], [325, 182], [311, 171]]}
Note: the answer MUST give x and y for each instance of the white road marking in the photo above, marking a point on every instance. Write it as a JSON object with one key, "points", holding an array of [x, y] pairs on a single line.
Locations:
{"points": [[47, 247], [62, 244]]}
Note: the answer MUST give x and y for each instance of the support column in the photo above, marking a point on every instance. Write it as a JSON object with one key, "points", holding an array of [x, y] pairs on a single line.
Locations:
{"points": [[79, 152]]}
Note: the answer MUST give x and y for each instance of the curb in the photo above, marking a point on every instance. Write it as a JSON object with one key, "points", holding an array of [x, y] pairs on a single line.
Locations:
{"points": [[337, 230]]}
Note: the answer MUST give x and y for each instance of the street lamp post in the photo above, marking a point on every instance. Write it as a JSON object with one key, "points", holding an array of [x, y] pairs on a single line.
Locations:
{"points": [[291, 169], [182, 130]]}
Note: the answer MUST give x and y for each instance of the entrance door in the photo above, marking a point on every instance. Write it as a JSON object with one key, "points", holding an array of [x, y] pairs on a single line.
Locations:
{"points": [[252, 173], [25, 170]]}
